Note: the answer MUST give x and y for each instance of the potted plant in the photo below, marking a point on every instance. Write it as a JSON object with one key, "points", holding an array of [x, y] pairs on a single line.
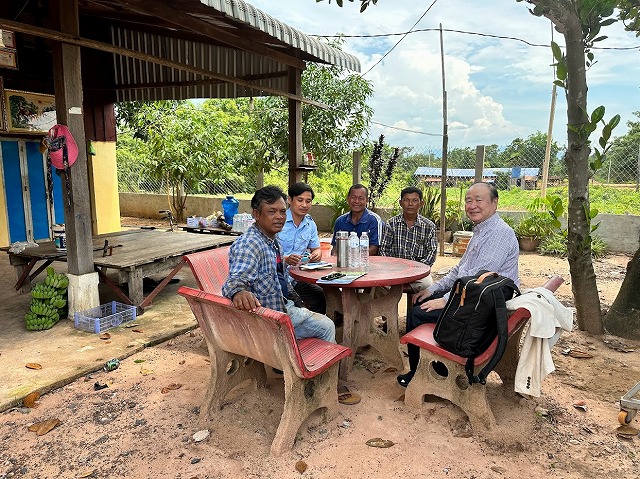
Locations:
{"points": [[532, 228]]}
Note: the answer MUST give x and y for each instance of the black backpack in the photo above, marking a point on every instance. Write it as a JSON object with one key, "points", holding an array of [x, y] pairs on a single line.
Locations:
{"points": [[474, 315]]}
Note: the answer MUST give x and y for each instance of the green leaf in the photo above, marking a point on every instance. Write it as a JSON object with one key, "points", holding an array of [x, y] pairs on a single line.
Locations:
{"points": [[557, 52], [561, 71], [597, 114], [599, 39], [614, 121], [559, 83]]}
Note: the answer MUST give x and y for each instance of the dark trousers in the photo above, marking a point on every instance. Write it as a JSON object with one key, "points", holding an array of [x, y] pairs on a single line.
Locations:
{"points": [[416, 317], [312, 296]]}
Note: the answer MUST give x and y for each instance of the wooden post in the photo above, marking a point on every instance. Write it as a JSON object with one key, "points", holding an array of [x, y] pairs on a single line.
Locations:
{"points": [[480, 149], [357, 167], [547, 150], [445, 146], [83, 280], [295, 126], [68, 89]]}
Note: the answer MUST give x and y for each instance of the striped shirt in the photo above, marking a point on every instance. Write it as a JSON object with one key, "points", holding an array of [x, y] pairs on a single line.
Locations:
{"points": [[417, 242], [493, 247], [252, 267]]}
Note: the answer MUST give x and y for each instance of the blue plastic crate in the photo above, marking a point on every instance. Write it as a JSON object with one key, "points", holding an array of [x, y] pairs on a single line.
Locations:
{"points": [[105, 316]]}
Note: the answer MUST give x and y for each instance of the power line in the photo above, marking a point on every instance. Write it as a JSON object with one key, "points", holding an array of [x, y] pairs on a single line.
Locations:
{"points": [[403, 37], [417, 132], [463, 32]]}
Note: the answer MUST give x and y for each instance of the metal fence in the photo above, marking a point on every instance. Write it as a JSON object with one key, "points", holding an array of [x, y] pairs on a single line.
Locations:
{"points": [[621, 168]]}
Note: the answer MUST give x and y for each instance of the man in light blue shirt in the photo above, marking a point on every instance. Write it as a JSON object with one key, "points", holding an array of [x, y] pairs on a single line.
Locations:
{"points": [[493, 247], [300, 234]]}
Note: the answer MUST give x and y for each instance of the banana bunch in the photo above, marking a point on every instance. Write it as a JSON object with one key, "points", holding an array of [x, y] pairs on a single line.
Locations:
{"points": [[58, 301], [41, 315], [43, 291], [56, 280], [49, 299]]}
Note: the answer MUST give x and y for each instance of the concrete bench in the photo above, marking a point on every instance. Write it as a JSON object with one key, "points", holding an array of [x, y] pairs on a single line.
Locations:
{"points": [[241, 343], [452, 384], [210, 268]]}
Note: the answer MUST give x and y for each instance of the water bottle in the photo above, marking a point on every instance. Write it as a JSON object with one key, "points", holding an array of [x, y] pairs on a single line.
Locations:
{"points": [[354, 251], [342, 249], [230, 208], [364, 251]]}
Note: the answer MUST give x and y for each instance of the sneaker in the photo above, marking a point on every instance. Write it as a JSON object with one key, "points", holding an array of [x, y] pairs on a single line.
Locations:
{"points": [[405, 379]]}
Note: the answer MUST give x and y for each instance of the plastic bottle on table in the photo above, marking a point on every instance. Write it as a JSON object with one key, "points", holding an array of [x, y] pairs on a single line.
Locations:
{"points": [[364, 251], [230, 208], [354, 251]]}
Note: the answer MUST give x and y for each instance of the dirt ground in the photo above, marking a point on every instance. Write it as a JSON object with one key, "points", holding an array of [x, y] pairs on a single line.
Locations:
{"points": [[142, 424]]}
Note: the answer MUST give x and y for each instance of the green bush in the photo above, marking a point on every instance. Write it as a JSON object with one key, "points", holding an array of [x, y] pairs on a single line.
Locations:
{"points": [[534, 225], [556, 245]]}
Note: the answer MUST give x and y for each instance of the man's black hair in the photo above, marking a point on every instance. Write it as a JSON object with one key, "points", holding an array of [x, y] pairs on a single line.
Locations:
{"points": [[269, 195], [298, 188], [409, 190], [359, 186]]}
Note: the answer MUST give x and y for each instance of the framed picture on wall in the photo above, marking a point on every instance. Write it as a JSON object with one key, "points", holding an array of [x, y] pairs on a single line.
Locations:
{"points": [[8, 39], [29, 112], [8, 58]]}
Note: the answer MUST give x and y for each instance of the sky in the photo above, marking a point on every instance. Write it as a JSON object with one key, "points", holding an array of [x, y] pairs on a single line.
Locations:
{"points": [[498, 89]]}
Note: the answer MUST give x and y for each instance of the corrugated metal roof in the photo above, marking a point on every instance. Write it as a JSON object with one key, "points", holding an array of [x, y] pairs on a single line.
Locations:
{"points": [[138, 79], [264, 22], [471, 173]]}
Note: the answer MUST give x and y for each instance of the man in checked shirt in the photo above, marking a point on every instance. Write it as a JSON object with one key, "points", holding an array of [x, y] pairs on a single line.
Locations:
{"points": [[410, 235], [257, 272]]}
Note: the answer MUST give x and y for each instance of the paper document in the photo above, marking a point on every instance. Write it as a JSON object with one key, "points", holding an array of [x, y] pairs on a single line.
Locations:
{"points": [[319, 265], [346, 279]]}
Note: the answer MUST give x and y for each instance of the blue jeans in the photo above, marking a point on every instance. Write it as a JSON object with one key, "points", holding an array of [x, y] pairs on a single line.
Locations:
{"points": [[307, 324]]}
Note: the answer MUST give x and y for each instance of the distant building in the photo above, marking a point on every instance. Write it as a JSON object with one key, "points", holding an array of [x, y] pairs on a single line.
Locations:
{"points": [[526, 178]]}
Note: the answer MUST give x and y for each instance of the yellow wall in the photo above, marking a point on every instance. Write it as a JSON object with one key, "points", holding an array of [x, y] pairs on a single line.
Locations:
{"points": [[103, 178]]}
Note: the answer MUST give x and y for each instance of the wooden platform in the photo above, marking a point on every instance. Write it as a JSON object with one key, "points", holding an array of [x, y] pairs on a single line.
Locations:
{"points": [[134, 255]]}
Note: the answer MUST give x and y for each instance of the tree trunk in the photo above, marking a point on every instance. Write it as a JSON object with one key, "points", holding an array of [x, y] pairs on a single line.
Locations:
{"points": [[583, 278], [565, 16], [623, 319]]}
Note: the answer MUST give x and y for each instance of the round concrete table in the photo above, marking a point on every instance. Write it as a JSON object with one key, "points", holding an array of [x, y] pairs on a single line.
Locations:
{"points": [[360, 309]]}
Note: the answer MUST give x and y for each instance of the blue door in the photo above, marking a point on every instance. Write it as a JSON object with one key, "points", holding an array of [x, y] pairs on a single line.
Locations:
{"points": [[13, 191], [28, 209]]}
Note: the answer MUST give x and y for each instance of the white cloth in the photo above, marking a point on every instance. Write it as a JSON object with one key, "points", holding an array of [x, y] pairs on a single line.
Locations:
{"points": [[548, 318]]}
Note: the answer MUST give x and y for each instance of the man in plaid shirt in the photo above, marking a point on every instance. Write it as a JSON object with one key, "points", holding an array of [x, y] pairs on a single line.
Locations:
{"points": [[257, 273], [410, 235]]}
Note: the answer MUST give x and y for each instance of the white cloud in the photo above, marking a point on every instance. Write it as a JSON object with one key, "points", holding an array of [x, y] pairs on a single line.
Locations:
{"points": [[498, 89]]}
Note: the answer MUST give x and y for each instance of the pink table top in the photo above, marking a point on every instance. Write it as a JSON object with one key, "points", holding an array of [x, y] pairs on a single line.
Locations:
{"points": [[383, 271]]}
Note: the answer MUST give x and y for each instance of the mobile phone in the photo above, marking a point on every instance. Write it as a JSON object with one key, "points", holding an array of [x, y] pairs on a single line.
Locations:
{"points": [[332, 276]]}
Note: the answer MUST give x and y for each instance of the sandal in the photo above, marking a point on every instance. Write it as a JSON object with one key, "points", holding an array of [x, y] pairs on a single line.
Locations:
{"points": [[405, 379], [349, 398]]}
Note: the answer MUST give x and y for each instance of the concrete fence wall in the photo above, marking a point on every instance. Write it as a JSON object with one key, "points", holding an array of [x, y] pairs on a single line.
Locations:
{"points": [[620, 232]]}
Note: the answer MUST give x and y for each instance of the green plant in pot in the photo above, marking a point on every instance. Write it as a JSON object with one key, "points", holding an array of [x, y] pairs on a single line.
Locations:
{"points": [[532, 228]]}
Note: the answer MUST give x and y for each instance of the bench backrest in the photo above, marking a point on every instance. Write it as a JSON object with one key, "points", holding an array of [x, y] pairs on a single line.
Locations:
{"points": [[210, 268], [266, 335]]}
